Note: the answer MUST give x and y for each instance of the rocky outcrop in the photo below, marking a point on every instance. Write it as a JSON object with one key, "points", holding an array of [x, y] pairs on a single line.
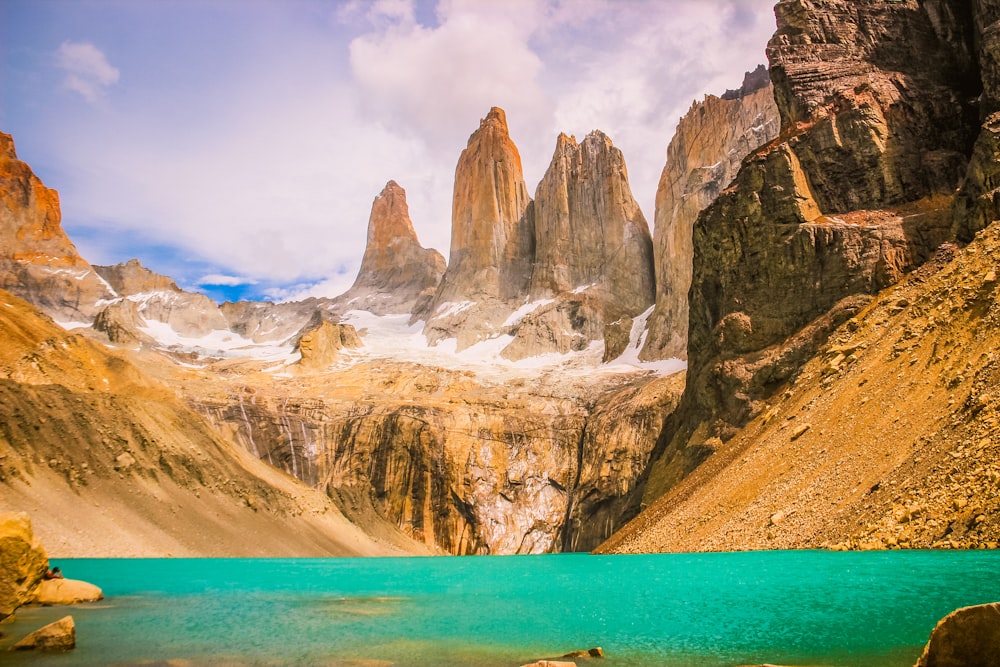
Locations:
{"points": [[966, 637], [37, 260], [397, 274], [856, 191], [121, 322], [131, 278], [703, 157], [492, 239], [321, 341], [23, 562], [593, 252], [57, 636]]}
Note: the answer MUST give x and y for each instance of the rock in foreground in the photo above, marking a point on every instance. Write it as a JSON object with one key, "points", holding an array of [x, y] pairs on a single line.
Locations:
{"points": [[22, 562], [58, 636], [967, 637]]}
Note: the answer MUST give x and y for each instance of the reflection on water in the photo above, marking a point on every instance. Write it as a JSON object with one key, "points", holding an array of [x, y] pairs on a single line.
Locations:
{"points": [[873, 609]]}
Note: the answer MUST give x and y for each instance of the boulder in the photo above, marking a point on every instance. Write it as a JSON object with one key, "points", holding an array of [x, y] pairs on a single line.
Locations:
{"points": [[596, 652], [550, 663], [967, 637], [23, 562], [67, 591], [58, 636]]}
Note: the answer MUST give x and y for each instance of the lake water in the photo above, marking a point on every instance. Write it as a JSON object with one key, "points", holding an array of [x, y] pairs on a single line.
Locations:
{"points": [[805, 607]]}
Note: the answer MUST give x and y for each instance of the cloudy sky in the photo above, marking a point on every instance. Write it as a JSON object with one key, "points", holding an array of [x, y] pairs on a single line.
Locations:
{"points": [[237, 145]]}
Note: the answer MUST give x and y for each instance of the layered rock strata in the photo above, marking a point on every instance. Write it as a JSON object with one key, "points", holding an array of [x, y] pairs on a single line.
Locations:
{"points": [[492, 239], [593, 252], [397, 274], [37, 260], [703, 157]]}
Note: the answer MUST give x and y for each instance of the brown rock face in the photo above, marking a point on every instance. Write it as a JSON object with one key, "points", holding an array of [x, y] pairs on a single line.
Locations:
{"points": [[703, 157], [22, 562], [590, 237], [967, 637], [492, 237], [397, 274], [37, 260]]}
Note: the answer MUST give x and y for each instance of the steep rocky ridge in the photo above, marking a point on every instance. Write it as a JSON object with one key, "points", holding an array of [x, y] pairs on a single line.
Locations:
{"points": [[37, 260], [593, 253], [703, 157], [111, 463], [397, 274], [492, 238], [888, 438], [857, 190]]}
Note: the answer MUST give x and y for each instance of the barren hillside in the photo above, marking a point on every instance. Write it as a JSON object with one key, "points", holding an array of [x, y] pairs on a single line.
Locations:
{"points": [[886, 439]]}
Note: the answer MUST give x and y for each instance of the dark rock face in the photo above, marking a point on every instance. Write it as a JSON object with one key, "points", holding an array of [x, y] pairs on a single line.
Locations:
{"points": [[877, 130], [703, 157], [37, 260], [397, 274]]}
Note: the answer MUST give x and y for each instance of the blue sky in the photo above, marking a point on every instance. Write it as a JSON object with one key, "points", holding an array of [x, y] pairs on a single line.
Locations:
{"points": [[237, 145]]}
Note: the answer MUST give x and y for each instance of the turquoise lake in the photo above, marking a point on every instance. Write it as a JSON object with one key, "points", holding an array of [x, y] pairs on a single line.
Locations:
{"points": [[798, 607]]}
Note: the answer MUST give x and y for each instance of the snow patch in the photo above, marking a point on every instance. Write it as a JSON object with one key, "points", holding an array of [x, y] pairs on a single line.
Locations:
{"points": [[524, 311], [637, 337], [449, 308], [220, 343]]}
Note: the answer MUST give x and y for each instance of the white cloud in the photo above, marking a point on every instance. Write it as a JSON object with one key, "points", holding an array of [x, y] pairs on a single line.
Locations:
{"points": [[225, 281], [87, 69]]}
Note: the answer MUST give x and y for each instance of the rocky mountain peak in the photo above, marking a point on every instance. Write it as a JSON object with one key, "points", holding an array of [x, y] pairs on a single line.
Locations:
{"points": [[131, 277], [37, 260], [397, 274]]}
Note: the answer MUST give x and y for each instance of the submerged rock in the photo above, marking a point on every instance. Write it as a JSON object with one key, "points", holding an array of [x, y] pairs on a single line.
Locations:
{"points": [[58, 636]]}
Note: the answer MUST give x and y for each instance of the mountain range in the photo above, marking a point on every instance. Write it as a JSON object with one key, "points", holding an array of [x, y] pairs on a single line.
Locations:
{"points": [[808, 261]]}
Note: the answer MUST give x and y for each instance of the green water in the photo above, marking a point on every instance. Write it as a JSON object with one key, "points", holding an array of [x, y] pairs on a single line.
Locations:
{"points": [[808, 607]]}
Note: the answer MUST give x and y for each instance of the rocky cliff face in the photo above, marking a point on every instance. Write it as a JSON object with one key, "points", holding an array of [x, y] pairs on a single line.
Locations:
{"points": [[321, 341], [703, 157], [397, 274], [858, 188], [37, 260], [593, 253], [492, 238], [463, 464]]}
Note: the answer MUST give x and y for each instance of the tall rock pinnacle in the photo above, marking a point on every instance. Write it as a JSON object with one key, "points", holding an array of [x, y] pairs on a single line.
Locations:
{"points": [[397, 274], [589, 229], [593, 255], [492, 237]]}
